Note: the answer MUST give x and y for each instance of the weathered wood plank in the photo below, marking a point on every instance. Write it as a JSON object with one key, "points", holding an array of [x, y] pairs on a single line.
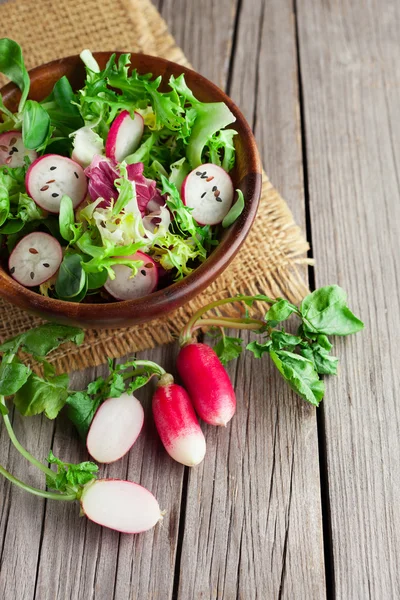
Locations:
{"points": [[20, 538], [350, 65], [204, 31], [253, 516]]}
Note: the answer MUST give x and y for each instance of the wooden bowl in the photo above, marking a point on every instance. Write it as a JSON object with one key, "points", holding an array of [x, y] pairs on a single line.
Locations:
{"points": [[246, 176]]}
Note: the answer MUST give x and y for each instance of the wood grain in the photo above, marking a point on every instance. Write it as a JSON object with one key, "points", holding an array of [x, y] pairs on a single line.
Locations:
{"points": [[253, 517], [204, 31], [21, 514], [350, 69]]}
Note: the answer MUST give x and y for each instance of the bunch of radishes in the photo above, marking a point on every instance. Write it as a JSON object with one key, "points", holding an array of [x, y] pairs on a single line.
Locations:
{"points": [[118, 422], [209, 392]]}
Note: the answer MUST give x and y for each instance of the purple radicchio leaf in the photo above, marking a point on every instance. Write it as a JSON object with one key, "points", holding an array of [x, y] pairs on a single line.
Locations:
{"points": [[102, 174]]}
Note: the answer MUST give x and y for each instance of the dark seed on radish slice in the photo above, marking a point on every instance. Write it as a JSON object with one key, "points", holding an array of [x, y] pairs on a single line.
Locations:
{"points": [[35, 259], [47, 188], [125, 287], [124, 136], [209, 193], [13, 151]]}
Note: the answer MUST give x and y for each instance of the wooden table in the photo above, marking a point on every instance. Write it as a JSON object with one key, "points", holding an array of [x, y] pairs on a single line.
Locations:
{"points": [[290, 502]]}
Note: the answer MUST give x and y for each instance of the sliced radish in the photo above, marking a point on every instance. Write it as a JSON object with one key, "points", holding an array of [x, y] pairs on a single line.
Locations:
{"points": [[13, 151], [125, 287], [115, 428], [35, 259], [121, 505], [124, 136], [177, 424], [50, 177], [208, 190], [87, 144]]}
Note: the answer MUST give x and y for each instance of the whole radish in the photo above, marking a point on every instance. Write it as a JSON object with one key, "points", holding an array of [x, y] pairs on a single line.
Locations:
{"points": [[121, 505], [177, 423], [207, 383]]}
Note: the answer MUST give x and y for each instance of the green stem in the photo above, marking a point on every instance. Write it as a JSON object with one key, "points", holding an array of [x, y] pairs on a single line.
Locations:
{"points": [[149, 363], [186, 333], [250, 324], [14, 440], [20, 448], [36, 491]]}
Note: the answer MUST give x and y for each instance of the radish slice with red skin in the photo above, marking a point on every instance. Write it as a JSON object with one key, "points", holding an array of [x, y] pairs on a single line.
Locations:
{"points": [[120, 505], [208, 190], [207, 383], [177, 424], [50, 177], [13, 151], [125, 287], [124, 136], [115, 428], [35, 259]]}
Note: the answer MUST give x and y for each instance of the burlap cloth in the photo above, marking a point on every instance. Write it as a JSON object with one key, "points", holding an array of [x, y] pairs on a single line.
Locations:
{"points": [[274, 250]]}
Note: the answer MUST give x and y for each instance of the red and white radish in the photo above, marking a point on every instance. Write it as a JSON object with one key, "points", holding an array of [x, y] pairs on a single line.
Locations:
{"points": [[124, 136], [207, 383], [177, 423], [126, 287], [87, 145], [121, 505], [35, 259], [13, 151], [115, 428], [50, 177], [208, 190]]}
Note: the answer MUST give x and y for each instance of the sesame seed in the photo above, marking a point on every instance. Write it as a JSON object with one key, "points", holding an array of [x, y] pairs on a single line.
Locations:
{"points": [[32, 274], [44, 188], [55, 195], [33, 251], [52, 168]]}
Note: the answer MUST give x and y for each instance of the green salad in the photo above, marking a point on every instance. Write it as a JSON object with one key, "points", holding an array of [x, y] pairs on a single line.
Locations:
{"points": [[115, 190]]}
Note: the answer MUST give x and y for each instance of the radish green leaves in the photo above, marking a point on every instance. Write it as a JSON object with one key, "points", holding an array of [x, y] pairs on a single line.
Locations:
{"points": [[300, 358]]}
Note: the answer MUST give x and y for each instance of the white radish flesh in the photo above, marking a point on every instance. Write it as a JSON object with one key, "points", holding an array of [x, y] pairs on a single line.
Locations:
{"points": [[121, 505], [177, 424], [50, 177], [115, 428], [87, 144], [208, 190], [13, 151], [35, 259], [124, 136], [125, 287]]}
